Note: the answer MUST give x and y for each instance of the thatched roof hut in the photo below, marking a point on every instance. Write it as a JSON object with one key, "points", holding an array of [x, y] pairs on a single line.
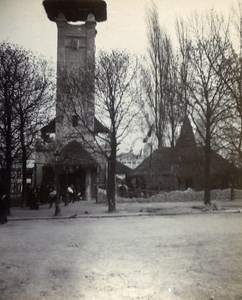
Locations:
{"points": [[122, 169], [182, 166]]}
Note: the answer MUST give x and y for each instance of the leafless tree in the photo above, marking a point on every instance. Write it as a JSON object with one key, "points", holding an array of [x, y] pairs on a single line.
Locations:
{"points": [[33, 106], [229, 69], [7, 117], [26, 95], [183, 65], [112, 83], [210, 104], [162, 102]]}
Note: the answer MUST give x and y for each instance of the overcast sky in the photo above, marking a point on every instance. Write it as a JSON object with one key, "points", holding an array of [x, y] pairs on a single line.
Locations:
{"points": [[24, 22]]}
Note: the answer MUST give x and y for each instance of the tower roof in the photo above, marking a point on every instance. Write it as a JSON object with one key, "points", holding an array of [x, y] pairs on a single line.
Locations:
{"points": [[76, 10], [186, 138]]}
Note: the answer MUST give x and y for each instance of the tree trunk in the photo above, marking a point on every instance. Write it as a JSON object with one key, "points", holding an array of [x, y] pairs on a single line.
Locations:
{"points": [[24, 179], [172, 133], [111, 185], [8, 157], [24, 160], [207, 167], [8, 183], [57, 187]]}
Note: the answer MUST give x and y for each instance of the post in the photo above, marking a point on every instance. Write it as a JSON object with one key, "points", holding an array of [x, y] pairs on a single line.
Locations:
{"points": [[57, 186], [150, 170], [97, 185], [232, 175], [88, 185]]}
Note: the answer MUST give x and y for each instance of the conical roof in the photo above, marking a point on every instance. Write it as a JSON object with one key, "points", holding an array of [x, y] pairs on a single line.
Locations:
{"points": [[186, 138]]}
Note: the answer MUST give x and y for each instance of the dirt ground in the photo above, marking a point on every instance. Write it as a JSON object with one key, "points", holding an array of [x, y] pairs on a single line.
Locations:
{"points": [[190, 257]]}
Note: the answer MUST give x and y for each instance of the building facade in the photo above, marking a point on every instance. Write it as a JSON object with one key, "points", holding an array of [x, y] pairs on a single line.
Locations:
{"points": [[66, 154], [181, 167]]}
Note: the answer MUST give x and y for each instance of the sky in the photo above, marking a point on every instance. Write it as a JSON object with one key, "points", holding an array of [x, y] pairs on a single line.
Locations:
{"points": [[25, 23]]}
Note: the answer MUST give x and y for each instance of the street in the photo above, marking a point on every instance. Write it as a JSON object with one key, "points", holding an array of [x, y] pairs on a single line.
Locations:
{"points": [[148, 257]]}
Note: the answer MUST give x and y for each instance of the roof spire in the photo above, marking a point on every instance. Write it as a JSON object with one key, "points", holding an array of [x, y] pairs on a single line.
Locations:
{"points": [[186, 138]]}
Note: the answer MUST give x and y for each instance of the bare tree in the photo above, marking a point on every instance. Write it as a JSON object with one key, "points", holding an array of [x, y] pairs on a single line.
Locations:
{"points": [[25, 94], [7, 116], [229, 69], [209, 102], [183, 65], [113, 85], [33, 105], [175, 108], [163, 101]]}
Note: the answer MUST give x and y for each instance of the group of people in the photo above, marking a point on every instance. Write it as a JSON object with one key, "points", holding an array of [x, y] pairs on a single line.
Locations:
{"points": [[36, 195], [67, 196]]}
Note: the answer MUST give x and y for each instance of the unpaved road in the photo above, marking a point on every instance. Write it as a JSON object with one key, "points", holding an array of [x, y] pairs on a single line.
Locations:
{"points": [[188, 257]]}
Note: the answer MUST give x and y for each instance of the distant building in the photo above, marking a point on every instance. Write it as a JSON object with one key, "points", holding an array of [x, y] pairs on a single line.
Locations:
{"points": [[181, 167], [16, 177], [130, 159]]}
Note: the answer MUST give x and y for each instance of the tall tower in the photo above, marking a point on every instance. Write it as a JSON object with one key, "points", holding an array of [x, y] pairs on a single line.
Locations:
{"points": [[75, 49]]}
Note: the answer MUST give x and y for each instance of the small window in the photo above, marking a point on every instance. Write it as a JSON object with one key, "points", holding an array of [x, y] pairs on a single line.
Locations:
{"points": [[75, 121]]}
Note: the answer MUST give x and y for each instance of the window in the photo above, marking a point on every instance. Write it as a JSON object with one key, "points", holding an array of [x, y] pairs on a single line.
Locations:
{"points": [[75, 121], [75, 44]]}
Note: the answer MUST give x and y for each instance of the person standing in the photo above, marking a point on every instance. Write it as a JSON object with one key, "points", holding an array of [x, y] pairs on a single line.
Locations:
{"points": [[70, 191], [3, 206]]}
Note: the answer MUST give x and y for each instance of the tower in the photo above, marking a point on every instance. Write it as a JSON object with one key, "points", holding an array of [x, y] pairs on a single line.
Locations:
{"points": [[75, 50]]}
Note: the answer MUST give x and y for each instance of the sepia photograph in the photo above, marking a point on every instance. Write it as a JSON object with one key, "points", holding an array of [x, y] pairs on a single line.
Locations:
{"points": [[121, 149]]}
